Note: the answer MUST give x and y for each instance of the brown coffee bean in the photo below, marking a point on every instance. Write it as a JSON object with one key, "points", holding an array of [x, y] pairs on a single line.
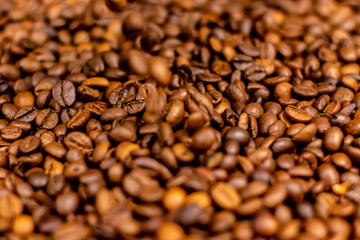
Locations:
{"points": [[68, 230], [10, 133], [97, 107], [265, 224], [209, 77], [174, 198], [96, 82], [295, 114], [134, 104], [243, 230], [140, 185], [333, 139], [221, 68], [64, 93], [23, 225], [26, 114], [29, 144], [9, 110], [56, 149], [353, 127], [47, 119], [171, 231], [275, 196], [290, 229], [116, 5], [160, 71], [203, 139], [111, 114], [277, 129], [225, 195], [133, 24], [341, 160], [79, 120], [24, 99], [117, 96], [79, 141], [10, 204], [182, 153], [328, 174], [67, 203], [305, 91], [255, 73], [322, 124], [301, 171], [306, 134], [38, 179]]}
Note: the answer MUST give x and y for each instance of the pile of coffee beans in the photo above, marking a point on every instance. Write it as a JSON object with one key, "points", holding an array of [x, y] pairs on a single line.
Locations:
{"points": [[179, 119]]}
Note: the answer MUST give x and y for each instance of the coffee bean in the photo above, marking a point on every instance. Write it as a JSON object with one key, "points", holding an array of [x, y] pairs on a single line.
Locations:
{"points": [[38, 179], [333, 139], [305, 91], [328, 174], [353, 127], [11, 133], [134, 104], [23, 225], [306, 134], [225, 195], [67, 230], [255, 73], [341, 160], [29, 144], [140, 185], [170, 231], [265, 224], [79, 120], [24, 99], [203, 139], [209, 77], [11, 205], [79, 141], [26, 114], [160, 71], [47, 119], [64, 93], [67, 203], [296, 114], [221, 68]]}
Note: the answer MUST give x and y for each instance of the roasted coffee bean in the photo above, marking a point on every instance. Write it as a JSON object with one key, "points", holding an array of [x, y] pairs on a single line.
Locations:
{"points": [[29, 144], [118, 95], [333, 139], [26, 114], [265, 224], [79, 141], [47, 119], [79, 120], [225, 195], [296, 114], [134, 104], [64, 93], [56, 149], [97, 107], [255, 73], [67, 203], [209, 77], [10, 133]]}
